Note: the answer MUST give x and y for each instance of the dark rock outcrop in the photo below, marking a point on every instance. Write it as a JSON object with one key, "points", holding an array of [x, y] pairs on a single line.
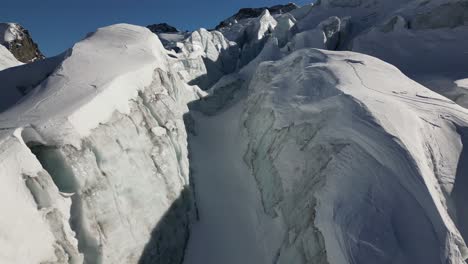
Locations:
{"points": [[19, 42], [162, 28]]}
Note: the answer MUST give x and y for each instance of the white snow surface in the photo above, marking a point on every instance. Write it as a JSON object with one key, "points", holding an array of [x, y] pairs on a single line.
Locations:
{"points": [[353, 162], [204, 57], [9, 32], [374, 130], [105, 125], [299, 155], [34, 225], [7, 60], [72, 101], [424, 39], [230, 208]]}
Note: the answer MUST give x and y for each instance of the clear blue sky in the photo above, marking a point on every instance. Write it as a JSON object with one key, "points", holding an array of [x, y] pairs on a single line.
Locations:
{"points": [[56, 24]]}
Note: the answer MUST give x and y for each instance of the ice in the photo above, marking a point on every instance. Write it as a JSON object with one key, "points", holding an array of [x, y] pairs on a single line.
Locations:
{"points": [[90, 135], [300, 151], [230, 208], [204, 57], [36, 227], [328, 159]]}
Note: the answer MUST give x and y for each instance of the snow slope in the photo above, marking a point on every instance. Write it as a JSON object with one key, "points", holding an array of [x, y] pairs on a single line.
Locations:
{"points": [[337, 143], [426, 41], [353, 140], [353, 163], [7, 59]]}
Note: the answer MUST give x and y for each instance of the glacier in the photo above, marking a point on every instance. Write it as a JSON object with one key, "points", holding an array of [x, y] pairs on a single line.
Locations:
{"points": [[334, 132], [100, 147]]}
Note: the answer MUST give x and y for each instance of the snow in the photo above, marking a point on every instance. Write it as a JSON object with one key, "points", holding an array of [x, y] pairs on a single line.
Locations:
{"points": [[17, 81], [204, 57], [82, 99], [35, 206], [7, 59], [424, 39], [462, 83], [298, 155], [229, 206], [337, 98], [109, 139], [340, 138], [9, 32]]}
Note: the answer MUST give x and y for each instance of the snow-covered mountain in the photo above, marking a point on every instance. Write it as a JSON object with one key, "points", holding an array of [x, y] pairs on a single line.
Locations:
{"points": [[328, 133]]}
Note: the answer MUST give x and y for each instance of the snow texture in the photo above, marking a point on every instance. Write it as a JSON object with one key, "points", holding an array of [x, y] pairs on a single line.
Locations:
{"points": [[300, 151], [7, 59], [113, 141]]}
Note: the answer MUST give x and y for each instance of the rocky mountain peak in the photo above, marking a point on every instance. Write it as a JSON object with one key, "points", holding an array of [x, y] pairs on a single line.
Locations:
{"points": [[162, 28], [19, 42], [245, 13]]}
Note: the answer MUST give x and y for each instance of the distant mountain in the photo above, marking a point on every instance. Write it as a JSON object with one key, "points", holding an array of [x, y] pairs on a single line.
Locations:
{"points": [[162, 28], [244, 13]]}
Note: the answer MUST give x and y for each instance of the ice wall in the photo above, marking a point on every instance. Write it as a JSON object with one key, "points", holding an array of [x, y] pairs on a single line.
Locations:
{"points": [[99, 173], [346, 177], [35, 227]]}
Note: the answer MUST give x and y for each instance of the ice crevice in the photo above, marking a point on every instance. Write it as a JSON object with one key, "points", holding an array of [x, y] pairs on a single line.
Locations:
{"points": [[53, 161], [304, 159], [293, 155]]}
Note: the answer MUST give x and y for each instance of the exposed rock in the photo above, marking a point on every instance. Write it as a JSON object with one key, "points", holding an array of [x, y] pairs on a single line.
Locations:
{"points": [[162, 28], [169, 35], [19, 42]]}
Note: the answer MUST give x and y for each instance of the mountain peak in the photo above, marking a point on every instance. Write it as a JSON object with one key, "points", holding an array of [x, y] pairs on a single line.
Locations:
{"points": [[245, 13], [19, 42], [162, 28]]}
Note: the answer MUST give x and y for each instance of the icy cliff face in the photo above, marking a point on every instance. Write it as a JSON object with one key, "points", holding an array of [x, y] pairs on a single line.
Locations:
{"points": [[352, 180], [353, 161], [425, 39], [299, 155], [204, 57], [109, 177], [35, 226]]}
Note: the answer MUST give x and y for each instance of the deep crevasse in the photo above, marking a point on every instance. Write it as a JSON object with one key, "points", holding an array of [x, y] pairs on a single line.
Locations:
{"points": [[227, 198]]}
